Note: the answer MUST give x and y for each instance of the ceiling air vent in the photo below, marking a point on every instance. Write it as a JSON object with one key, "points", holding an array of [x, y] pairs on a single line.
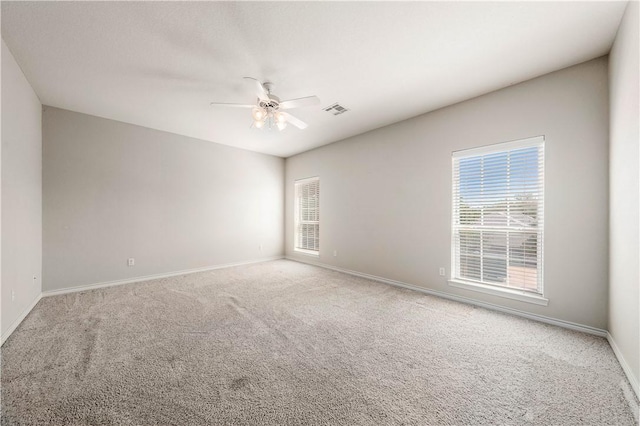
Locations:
{"points": [[336, 109]]}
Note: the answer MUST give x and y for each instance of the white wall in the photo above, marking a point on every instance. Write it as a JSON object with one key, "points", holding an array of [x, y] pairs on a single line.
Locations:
{"points": [[21, 193], [114, 191], [386, 195], [624, 278]]}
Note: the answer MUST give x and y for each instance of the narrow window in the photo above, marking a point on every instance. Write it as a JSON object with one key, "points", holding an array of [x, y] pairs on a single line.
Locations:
{"points": [[498, 199], [307, 216]]}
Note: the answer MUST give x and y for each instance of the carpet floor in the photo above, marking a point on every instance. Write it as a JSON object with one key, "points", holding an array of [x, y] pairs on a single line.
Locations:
{"points": [[284, 343]]}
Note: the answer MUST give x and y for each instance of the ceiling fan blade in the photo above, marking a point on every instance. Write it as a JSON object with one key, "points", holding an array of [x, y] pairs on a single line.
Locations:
{"points": [[300, 102], [261, 92], [295, 121], [216, 104]]}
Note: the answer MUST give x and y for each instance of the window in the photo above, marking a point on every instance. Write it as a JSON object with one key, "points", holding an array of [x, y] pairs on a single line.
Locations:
{"points": [[498, 198], [307, 216]]}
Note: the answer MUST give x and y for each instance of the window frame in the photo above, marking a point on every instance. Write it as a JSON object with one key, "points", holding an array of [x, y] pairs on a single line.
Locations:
{"points": [[456, 280], [296, 215]]}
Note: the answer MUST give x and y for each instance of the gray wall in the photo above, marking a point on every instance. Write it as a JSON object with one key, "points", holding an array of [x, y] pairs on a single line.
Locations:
{"points": [[386, 195], [114, 191], [624, 278], [21, 192]]}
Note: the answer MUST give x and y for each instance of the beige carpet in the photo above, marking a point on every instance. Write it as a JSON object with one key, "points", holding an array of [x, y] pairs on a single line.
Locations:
{"points": [[284, 343]]}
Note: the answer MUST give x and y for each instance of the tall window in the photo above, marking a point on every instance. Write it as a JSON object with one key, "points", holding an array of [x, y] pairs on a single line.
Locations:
{"points": [[498, 198], [307, 216]]}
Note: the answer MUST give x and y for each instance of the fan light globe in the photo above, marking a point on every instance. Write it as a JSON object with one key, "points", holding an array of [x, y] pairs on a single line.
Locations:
{"points": [[281, 125], [258, 114], [280, 118], [258, 124]]}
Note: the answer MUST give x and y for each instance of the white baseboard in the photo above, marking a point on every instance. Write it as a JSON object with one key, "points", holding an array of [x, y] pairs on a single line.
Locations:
{"points": [[152, 277], [625, 366], [19, 320], [462, 299]]}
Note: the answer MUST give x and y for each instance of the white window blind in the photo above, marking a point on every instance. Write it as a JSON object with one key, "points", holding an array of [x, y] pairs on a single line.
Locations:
{"points": [[498, 223], [307, 215]]}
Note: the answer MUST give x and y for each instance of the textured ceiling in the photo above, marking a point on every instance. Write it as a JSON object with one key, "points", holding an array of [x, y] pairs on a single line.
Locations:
{"points": [[160, 64]]}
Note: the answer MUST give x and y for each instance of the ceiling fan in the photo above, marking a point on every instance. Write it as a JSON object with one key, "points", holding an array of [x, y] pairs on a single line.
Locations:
{"points": [[269, 111]]}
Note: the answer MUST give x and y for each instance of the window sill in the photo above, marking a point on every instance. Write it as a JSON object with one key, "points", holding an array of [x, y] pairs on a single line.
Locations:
{"points": [[501, 292], [307, 252]]}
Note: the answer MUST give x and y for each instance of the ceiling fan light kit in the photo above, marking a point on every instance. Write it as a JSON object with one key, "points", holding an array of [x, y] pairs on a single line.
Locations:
{"points": [[268, 116], [269, 111]]}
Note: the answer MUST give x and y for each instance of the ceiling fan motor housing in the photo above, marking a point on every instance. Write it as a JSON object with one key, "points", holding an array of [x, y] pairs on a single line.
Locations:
{"points": [[273, 102]]}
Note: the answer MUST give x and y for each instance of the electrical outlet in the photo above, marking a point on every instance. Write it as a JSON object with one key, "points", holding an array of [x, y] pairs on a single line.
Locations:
{"points": [[131, 261], [13, 295], [35, 279], [335, 253], [442, 272]]}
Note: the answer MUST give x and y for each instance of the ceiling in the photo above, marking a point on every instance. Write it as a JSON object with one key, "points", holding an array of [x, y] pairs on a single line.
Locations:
{"points": [[160, 64]]}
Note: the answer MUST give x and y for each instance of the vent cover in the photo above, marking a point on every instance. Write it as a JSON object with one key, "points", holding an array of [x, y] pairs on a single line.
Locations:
{"points": [[336, 109]]}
